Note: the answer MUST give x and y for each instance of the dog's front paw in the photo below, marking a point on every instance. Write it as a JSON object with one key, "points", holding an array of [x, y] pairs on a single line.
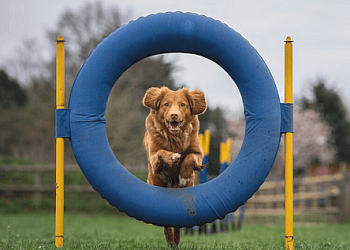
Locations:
{"points": [[176, 159], [183, 181], [185, 177], [168, 158]]}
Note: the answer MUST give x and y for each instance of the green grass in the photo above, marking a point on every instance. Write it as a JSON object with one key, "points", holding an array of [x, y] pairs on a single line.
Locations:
{"points": [[36, 231]]}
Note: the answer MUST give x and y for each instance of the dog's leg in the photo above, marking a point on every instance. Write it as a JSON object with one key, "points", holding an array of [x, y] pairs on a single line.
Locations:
{"points": [[176, 236], [163, 157], [191, 162], [169, 158], [169, 236]]}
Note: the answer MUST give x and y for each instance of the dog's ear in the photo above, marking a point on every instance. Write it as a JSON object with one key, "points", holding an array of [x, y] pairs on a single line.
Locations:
{"points": [[153, 97], [198, 103]]}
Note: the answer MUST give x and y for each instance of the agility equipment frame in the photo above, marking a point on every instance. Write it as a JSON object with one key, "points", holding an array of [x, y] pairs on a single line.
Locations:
{"points": [[60, 67], [288, 155], [266, 119]]}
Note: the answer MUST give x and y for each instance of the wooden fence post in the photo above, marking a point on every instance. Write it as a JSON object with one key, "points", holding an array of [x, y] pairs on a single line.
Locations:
{"points": [[37, 188], [344, 206]]}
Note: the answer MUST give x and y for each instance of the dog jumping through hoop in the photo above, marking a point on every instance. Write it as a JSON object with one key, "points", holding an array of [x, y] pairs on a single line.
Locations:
{"points": [[172, 141]]}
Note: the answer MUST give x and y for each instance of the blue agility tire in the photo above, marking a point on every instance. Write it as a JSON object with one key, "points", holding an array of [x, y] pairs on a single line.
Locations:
{"points": [[168, 33]]}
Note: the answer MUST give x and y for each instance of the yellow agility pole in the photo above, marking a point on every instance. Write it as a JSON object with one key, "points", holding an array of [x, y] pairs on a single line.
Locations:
{"points": [[201, 141], [225, 149], [59, 230], [289, 240], [197, 179], [206, 142], [222, 152]]}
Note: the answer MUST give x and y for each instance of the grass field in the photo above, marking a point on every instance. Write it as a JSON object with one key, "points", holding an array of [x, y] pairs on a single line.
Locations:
{"points": [[36, 231]]}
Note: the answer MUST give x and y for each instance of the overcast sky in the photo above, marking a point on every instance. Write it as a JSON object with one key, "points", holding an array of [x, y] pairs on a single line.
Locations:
{"points": [[319, 28]]}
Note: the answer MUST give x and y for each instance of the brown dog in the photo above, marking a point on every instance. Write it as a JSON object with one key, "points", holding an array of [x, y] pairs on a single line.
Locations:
{"points": [[171, 140]]}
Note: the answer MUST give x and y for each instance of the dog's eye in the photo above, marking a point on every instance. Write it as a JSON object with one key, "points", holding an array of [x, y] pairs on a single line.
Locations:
{"points": [[183, 105], [166, 104]]}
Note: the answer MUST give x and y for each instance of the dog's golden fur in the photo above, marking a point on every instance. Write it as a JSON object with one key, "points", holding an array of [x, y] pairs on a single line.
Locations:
{"points": [[171, 140]]}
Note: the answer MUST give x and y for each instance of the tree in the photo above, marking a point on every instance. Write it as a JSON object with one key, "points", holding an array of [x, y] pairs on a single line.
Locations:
{"points": [[11, 94], [83, 29], [13, 99], [327, 102], [311, 143]]}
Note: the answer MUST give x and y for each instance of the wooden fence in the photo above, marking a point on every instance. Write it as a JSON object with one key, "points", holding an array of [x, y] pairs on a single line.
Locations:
{"points": [[37, 187], [322, 195]]}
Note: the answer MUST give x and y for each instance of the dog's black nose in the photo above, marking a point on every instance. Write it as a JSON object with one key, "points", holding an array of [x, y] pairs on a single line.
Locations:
{"points": [[173, 116]]}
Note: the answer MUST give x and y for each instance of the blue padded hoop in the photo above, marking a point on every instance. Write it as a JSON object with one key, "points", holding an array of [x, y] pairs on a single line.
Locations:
{"points": [[166, 33]]}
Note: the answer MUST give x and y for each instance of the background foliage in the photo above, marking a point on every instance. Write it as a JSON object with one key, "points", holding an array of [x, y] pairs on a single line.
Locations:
{"points": [[27, 100], [29, 120]]}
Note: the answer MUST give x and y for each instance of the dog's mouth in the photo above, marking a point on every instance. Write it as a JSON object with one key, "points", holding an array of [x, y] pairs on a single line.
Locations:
{"points": [[174, 126]]}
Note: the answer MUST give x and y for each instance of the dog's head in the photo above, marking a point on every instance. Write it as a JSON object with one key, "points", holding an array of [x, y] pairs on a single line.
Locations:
{"points": [[175, 109]]}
